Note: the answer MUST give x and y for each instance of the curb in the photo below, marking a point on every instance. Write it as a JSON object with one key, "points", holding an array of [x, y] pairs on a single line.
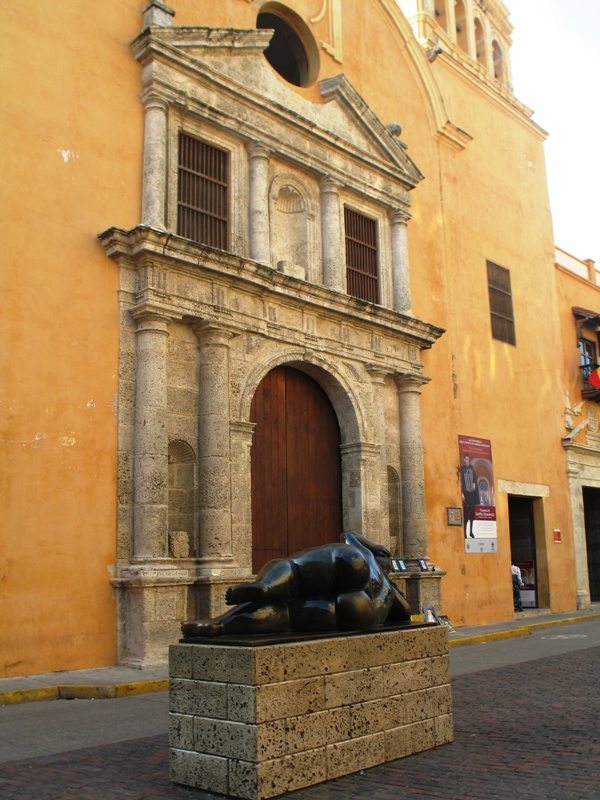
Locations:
{"points": [[523, 630], [83, 692], [109, 691]]}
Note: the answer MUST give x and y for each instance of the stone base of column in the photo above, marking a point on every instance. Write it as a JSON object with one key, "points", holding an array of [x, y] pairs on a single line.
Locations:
{"points": [[207, 598], [421, 588], [583, 600], [152, 602]]}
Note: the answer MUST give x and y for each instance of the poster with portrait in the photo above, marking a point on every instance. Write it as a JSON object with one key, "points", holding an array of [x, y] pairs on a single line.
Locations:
{"points": [[477, 491]]}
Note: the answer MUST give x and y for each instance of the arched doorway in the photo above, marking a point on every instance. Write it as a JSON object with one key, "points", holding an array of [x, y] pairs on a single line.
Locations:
{"points": [[296, 466]]}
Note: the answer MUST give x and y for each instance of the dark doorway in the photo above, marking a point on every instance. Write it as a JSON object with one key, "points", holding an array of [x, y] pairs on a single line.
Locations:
{"points": [[296, 467], [591, 510], [522, 543]]}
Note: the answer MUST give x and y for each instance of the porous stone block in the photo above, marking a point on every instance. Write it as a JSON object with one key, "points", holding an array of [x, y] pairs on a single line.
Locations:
{"points": [[259, 721], [200, 770]]}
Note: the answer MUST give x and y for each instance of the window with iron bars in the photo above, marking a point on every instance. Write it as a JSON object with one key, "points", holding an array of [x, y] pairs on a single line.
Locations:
{"points": [[501, 305], [203, 193], [588, 362], [362, 268]]}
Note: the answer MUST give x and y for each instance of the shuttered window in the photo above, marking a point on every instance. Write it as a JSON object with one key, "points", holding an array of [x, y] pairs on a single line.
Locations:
{"points": [[361, 256], [501, 306], [203, 193]]}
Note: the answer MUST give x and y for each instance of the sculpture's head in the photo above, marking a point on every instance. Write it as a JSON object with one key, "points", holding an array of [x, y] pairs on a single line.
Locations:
{"points": [[383, 557]]}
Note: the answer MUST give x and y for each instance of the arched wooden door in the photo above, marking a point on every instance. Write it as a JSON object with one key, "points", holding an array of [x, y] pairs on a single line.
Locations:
{"points": [[296, 467]]}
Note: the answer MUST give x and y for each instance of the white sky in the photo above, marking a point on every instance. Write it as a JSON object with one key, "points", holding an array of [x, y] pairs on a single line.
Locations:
{"points": [[556, 72]]}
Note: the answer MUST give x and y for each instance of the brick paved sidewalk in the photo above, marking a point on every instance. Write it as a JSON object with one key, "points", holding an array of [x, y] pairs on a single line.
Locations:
{"points": [[530, 731]]}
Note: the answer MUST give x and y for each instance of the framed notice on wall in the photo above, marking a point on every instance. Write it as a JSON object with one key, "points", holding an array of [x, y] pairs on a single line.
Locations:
{"points": [[454, 516]]}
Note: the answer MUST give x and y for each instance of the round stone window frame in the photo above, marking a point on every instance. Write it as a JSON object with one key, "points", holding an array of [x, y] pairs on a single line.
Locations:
{"points": [[305, 38]]}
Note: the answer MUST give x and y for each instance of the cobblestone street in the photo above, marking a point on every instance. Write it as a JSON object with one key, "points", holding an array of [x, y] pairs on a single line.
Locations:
{"points": [[524, 731]]}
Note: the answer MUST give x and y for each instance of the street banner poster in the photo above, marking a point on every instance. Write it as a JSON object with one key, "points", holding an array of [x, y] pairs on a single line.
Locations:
{"points": [[477, 490]]}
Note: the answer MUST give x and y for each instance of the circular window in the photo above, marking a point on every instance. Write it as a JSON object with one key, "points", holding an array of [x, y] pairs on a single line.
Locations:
{"points": [[292, 52]]}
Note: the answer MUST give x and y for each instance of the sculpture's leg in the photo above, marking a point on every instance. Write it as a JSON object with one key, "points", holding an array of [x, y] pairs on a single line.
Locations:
{"points": [[329, 569], [400, 610], [253, 618], [275, 583], [313, 615], [355, 611]]}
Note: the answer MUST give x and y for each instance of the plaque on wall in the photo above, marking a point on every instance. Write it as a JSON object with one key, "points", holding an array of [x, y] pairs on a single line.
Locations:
{"points": [[398, 565], [454, 516]]}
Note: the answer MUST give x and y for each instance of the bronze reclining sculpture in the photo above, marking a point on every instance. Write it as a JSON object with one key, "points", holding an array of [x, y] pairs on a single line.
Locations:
{"points": [[335, 587]]}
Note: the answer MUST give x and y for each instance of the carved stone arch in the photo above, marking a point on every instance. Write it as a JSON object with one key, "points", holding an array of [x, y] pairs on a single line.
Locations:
{"points": [[182, 492], [499, 65], [481, 36], [292, 211], [350, 414]]}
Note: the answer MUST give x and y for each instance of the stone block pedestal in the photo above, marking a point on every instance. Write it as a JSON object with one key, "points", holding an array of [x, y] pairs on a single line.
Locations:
{"points": [[259, 721]]}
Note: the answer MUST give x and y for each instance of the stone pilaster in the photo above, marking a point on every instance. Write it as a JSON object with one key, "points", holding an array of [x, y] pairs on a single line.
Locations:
{"points": [[154, 185], [378, 375], [241, 492], [150, 465], [361, 488], [400, 271], [258, 204], [575, 478], [331, 236], [151, 589], [414, 526], [214, 466]]}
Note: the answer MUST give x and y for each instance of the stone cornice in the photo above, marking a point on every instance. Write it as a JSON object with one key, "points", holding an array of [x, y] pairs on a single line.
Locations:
{"points": [[142, 245], [473, 73], [341, 89]]}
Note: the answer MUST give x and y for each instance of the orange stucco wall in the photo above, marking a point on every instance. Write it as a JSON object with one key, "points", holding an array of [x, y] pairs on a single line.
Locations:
{"points": [[72, 135], [72, 131]]}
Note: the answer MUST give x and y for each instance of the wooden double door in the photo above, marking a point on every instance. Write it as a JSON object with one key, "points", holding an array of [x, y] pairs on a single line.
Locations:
{"points": [[591, 508], [296, 467]]}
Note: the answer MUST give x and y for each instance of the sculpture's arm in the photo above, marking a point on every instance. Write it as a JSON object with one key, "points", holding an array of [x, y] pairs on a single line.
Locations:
{"points": [[358, 540], [400, 609]]}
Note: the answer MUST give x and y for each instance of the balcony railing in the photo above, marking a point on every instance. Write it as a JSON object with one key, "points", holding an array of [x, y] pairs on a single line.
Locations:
{"points": [[588, 391]]}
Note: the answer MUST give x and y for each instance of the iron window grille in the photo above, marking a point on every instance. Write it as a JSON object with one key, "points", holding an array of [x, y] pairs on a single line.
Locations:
{"points": [[501, 306], [203, 193], [588, 362], [362, 271]]}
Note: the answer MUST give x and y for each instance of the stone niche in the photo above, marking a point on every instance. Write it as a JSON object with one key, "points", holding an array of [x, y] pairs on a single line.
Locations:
{"points": [[258, 721]]}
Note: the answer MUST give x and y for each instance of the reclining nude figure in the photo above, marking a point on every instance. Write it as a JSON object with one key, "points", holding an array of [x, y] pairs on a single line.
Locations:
{"points": [[335, 587]]}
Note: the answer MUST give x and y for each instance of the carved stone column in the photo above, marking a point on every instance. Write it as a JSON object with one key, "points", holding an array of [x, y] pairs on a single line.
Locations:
{"points": [[154, 185], [378, 375], [400, 271], [414, 527], [258, 204], [214, 464], [150, 465], [241, 492], [331, 236]]}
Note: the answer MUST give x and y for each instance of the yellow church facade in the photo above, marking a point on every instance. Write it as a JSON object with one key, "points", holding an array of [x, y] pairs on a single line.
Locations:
{"points": [[273, 271]]}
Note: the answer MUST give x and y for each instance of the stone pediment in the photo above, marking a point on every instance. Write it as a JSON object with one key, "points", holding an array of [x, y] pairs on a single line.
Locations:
{"points": [[222, 75]]}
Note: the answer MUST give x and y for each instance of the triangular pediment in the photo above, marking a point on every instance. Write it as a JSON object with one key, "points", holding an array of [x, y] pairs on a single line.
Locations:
{"points": [[223, 73]]}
